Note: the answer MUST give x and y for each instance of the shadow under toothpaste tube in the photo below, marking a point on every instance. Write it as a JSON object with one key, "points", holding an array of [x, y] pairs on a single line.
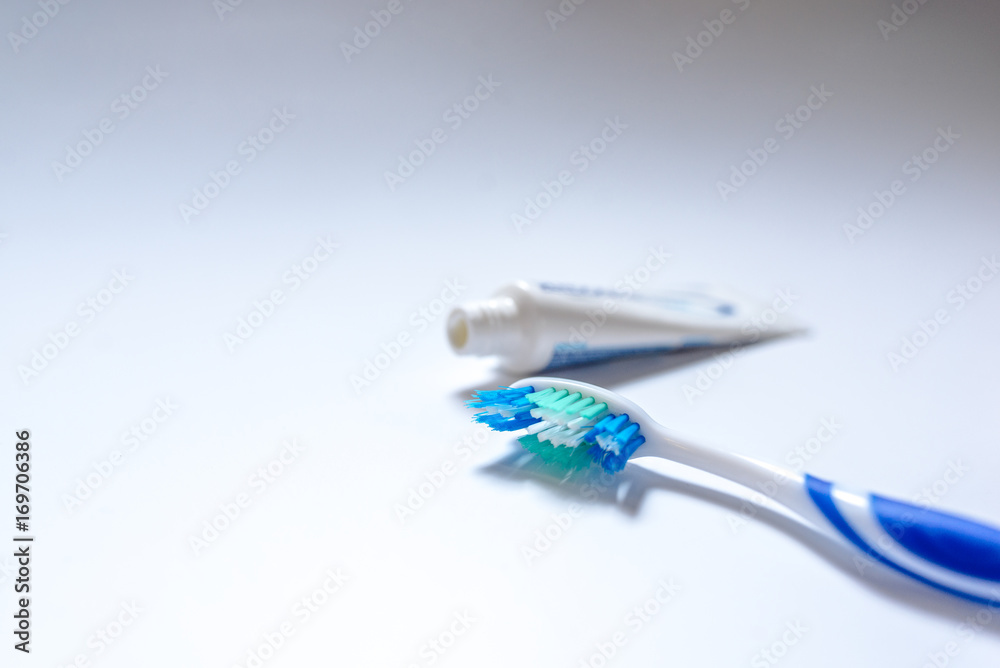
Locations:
{"points": [[543, 326]]}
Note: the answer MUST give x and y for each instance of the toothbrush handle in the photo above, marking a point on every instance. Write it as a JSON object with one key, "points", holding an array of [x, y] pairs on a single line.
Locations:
{"points": [[951, 553]]}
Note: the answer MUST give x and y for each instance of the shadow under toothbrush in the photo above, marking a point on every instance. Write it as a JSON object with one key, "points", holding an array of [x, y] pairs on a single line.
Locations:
{"points": [[627, 491]]}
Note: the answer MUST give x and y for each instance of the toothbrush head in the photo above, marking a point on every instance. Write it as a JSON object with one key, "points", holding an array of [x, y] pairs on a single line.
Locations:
{"points": [[567, 423]]}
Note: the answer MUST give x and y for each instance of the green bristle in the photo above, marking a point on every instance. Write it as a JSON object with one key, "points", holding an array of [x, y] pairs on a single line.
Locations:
{"points": [[566, 402], [547, 401], [535, 396], [579, 406], [594, 411]]}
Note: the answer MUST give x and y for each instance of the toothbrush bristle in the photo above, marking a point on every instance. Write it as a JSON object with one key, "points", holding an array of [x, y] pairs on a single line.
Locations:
{"points": [[567, 429]]}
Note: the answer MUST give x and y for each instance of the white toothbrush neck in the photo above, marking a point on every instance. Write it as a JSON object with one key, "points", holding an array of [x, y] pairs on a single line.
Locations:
{"points": [[781, 485]]}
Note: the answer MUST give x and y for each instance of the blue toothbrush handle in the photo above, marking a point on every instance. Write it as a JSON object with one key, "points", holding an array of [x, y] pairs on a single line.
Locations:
{"points": [[952, 553]]}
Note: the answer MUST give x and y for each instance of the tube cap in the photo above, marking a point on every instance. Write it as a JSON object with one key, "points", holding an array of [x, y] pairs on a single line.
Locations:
{"points": [[487, 327]]}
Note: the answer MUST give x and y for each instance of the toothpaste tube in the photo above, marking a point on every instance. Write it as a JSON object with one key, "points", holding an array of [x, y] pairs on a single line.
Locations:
{"points": [[537, 326]]}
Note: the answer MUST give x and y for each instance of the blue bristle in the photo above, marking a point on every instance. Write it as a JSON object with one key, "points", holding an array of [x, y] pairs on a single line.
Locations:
{"points": [[615, 425], [498, 422], [613, 463], [591, 436], [501, 397], [489, 419], [625, 435], [603, 458], [522, 423], [628, 439], [632, 446]]}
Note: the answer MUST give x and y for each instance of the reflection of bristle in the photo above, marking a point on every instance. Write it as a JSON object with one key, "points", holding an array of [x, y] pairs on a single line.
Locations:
{"points": [[570, 459]]}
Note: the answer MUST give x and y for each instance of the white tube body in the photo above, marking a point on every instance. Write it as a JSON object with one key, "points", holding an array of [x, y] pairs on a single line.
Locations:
{"points": [[535, 326]]}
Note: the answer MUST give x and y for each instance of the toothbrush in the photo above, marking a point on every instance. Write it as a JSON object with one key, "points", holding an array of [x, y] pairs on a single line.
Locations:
{"points": [[574, 425]]}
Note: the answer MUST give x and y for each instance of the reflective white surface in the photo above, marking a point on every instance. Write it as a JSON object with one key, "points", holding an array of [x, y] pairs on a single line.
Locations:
{"points": [[594, 114]]}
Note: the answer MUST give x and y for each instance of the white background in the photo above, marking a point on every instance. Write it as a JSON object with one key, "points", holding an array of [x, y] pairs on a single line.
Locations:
{"points": [[335, 506]]}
